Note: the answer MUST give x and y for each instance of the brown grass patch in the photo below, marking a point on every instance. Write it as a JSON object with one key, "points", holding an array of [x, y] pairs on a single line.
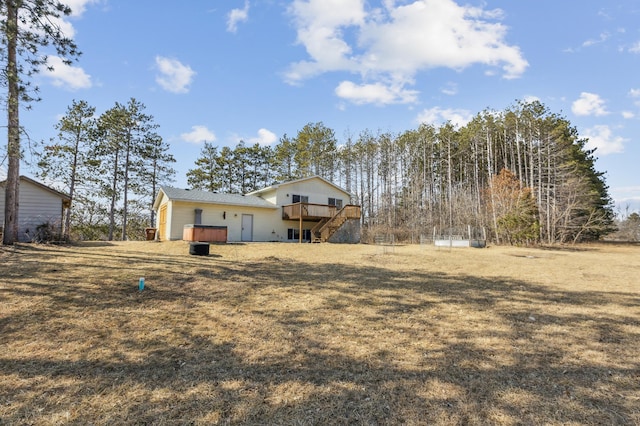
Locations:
{"points": [[319, 334]]}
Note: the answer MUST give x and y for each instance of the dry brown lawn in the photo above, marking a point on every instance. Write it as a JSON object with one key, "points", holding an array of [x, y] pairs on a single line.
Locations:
{"points": [[319, 334]]}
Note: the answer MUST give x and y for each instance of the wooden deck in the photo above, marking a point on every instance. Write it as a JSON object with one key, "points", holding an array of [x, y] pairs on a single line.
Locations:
{"points": [[316, 212], [329, 218]]}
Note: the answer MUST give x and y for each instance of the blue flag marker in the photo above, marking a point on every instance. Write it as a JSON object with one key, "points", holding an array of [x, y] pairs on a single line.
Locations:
{"points": [[141, 284]]}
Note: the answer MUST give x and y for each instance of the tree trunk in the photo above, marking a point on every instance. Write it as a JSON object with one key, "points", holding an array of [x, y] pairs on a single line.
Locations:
{"points": [[112, 209], [66, 232], [126, 187], [12, 186]]}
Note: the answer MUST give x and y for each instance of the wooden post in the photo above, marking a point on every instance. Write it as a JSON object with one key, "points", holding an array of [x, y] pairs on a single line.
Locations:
{"points": [[300, 231]]}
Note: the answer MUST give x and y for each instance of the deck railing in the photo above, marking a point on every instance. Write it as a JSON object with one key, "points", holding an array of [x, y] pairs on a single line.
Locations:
{"points": [[307, 211], [310, 211]]}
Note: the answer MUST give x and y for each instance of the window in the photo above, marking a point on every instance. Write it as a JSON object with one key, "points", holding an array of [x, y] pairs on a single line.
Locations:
{"points": [[335, 202], [294, 234], [296, 198]]}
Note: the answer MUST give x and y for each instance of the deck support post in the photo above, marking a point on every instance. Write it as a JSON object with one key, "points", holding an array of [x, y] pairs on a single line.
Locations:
{"points": [[300, 233]]}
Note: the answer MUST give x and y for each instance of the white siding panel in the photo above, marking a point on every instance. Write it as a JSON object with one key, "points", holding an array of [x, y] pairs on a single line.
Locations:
{"points": [[316, 189], [267, 223], [36, 206]]}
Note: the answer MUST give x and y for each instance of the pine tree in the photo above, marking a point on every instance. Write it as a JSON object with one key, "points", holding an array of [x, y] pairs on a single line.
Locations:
{"points": [[285, 168], [208, 174], [26, 26], [66, 160], [155, 169], [124, 131]]}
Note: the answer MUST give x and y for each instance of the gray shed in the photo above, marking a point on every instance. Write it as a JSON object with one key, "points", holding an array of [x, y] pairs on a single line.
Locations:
{"points": [[38, 205]]}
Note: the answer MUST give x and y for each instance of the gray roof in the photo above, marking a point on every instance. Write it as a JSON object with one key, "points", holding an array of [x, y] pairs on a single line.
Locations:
{"points": [[278, 185], [62, 195], [198, 196]]}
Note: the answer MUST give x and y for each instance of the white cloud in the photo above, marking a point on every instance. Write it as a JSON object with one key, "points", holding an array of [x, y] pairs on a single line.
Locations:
{"points": [[589, 104], [628, 115], [437, 115], [635, 95], [78, 7], [635, 48], [389, 45], [198, 134], [450, 89], [601, 137], [265, 137], [530, 99], [174, 77], [601, 39], [237, 15], [376, 93], [67, 76], [626, 196]]}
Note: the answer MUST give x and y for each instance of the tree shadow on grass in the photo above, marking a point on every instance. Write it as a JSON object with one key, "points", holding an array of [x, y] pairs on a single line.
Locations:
{"points": [[282, 342]]}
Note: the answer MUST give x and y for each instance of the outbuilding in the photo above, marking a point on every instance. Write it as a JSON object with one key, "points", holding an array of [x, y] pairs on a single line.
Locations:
{"points": [[40, 210]]}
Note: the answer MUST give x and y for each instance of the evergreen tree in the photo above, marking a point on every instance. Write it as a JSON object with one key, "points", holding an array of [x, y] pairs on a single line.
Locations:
{"points": [[208, 173], [284, 162], [155, 170], [125, 131], [227, 169], [109, 150], [26, 26], [66, 160]]}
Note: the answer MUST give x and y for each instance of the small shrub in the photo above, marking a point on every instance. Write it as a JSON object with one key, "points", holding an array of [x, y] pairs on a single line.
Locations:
{"points": [[46, 233]]}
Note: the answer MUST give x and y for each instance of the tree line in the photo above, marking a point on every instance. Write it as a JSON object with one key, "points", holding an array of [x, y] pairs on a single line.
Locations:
{"points": [[111, 166], [522, 174]]}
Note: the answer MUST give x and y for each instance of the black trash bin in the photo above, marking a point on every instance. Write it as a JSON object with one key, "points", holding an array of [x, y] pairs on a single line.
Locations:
{"points": [[199, 249]]}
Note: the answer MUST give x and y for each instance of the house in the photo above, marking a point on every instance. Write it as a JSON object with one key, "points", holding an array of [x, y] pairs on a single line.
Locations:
{"points": [[308, 209], [38, 205]]}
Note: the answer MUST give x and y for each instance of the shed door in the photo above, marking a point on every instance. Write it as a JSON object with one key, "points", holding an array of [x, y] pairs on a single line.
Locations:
{"points": [[247, 227], [162, 223]]}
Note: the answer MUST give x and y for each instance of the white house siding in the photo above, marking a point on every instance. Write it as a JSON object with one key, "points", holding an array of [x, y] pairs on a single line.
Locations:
{"points": [[270, 196], [37, 206], [183, 213], [316, 189]]}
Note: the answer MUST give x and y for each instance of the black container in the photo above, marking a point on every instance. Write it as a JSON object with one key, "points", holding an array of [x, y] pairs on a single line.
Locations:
{"points": [[199, 249]]}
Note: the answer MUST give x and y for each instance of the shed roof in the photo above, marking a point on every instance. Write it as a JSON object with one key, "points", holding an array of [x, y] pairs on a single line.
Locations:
{"points": [[61, 195], [206, 197]]}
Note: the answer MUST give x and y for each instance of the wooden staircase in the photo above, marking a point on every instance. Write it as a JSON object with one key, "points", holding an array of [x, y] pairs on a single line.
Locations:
{"points": [[328, 226], [316, 235]]}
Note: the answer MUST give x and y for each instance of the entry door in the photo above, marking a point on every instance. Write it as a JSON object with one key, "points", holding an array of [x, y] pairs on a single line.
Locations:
{"points": [[162, 223], [247, 227]]}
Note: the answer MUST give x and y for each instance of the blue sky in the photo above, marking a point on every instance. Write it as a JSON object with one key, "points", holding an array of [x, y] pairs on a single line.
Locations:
{"points": [[222, 71]]}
